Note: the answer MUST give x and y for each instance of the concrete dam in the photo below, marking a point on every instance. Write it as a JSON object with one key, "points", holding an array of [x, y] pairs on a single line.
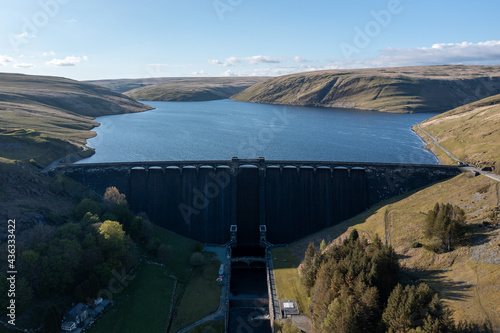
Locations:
{"points": [[254, 201]]}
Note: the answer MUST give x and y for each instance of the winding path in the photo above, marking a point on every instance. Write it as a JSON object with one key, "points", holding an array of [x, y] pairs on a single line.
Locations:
{"points": [[466, 167], [220, 314]]}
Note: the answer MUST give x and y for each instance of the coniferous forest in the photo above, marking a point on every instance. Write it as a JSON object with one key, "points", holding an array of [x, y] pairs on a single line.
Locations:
{"points": [[355, 287]]}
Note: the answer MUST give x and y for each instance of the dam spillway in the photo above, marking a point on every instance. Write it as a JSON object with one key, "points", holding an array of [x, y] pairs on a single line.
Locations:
{"points": [[203, 200]]}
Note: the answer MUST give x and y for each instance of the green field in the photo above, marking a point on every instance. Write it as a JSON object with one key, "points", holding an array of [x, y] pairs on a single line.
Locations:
{"points": [[196, 294], [200, 295], [143, 306], [287, 279], [182, 248]]}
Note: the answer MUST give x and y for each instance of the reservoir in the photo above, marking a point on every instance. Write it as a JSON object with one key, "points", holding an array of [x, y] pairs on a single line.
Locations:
{"points": [[219, 130]]}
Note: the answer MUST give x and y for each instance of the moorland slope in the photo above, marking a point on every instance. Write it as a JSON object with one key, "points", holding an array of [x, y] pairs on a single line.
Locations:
{"points": [[398, 89], [470, 132], [43, 117], [180, 88]]}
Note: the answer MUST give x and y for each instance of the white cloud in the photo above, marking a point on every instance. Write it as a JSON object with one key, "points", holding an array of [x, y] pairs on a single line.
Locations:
{"points": [[47, 54], [201, 73], [71, 21], [268, 71], [482, 53], [68, 61], [254, 60], [23, 65], [25, 35], [259, 59], [299, 59], [231, 61], [5, 59]]}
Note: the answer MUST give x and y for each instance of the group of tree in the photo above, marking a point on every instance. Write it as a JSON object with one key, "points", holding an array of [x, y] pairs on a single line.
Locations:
{"points": [[77, 257], [354, 287], [445, 226], [349, 284]]}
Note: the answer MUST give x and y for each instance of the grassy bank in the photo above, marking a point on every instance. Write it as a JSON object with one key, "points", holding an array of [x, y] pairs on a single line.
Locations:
{"points": [[471, 133], [181, 250], [45, 118], [442, 157], [199, 296], [466, 278], [287, 279], [39, 149]]}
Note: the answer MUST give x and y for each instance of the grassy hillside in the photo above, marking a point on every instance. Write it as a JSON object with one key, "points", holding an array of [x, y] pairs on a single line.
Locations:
{"points": [[180, 89], [402, 89], [471, 132], [466, 278], [45, 117]]}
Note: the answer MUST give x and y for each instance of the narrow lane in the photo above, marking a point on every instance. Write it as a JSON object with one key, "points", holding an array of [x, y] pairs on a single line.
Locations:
{"points": [[466, 167]]}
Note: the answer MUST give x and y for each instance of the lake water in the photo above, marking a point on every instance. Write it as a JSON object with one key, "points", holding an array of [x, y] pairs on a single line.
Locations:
{"points": [[219, 130]]}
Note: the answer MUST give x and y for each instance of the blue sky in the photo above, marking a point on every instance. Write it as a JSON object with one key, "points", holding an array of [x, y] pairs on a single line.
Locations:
{"points": [[90, 39]]}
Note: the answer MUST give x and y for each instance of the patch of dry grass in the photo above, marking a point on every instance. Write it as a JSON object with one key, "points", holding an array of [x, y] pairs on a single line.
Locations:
{"points": [[470, 287], [471, 133], [60, 111], [466, 278]]}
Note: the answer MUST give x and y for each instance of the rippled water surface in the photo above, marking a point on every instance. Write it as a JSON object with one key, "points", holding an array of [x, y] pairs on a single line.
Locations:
{"points": [[219, 130]]}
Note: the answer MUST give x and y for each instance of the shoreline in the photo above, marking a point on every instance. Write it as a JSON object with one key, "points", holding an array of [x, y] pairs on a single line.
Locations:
{"points": [[87, 151], [443, 159]]}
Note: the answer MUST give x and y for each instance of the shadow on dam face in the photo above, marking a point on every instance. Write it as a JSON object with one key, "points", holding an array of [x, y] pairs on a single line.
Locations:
{"points": [[204, 200]]}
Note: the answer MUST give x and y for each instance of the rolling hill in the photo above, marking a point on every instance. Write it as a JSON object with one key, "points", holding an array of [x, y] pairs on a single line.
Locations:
{"points": [[180, 88], [44, 118], [399, 89], [470, 132]]}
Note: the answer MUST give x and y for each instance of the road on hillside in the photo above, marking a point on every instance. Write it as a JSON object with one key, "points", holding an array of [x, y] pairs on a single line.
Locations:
{"points": [[466, 167]]}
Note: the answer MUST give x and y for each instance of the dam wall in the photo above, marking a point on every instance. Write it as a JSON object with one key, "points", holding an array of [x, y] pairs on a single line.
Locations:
{"points": [[203, 199]]}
